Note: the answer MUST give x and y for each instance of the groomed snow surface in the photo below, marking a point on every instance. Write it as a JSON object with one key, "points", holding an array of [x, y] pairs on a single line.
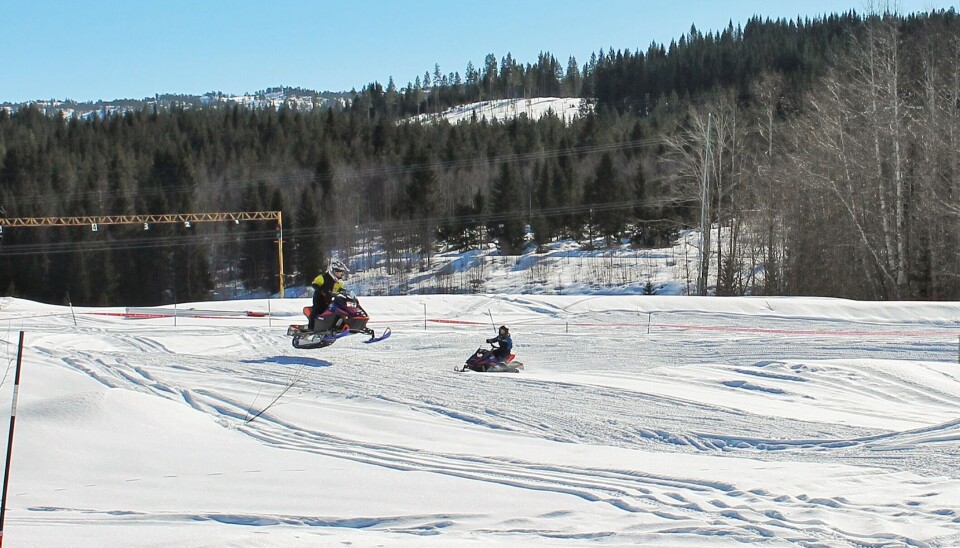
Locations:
{"points": [[639, 420]]}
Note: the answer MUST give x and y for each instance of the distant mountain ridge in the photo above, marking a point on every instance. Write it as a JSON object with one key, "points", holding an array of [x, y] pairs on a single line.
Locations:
{"points": [[305, 100], [296, 98]]}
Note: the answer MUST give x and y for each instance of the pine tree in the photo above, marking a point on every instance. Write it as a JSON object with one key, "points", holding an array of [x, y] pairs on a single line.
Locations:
{"points": [[420, 206], [609, 198], [506, 223], [308, 245]]}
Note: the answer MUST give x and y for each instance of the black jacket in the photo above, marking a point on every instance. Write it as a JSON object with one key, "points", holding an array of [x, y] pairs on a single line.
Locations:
{"points": [[504, 345]]}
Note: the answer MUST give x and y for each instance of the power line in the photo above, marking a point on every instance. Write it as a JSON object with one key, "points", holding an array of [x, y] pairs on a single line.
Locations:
{"points": [[185, 218], [357, 174], [345, 174], [16, 250], [400, 226], [353, 174]]}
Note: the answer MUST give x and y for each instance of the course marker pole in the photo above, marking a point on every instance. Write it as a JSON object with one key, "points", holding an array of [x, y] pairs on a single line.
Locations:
{"points": [[13, 418]]}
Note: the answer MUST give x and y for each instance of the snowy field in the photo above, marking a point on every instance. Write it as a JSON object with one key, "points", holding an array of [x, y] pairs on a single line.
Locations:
{"points": [[639, 420]]}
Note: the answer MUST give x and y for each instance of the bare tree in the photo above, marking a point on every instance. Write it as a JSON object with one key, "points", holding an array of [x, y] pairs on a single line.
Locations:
{"points": [[727, 162], [707, 167], [766, 191], [851, 144], [937, 134], [688, 152]]}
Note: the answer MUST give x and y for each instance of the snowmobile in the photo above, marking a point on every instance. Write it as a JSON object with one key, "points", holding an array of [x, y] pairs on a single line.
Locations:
{"points": [[484, 361], [343, 317]]}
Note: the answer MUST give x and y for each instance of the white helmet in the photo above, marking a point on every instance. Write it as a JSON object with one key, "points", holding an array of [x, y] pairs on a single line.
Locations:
{"points": [[337, 266]]}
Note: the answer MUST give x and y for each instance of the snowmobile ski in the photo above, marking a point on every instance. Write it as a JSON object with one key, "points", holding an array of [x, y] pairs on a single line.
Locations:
{"points": [[385, 335], [514, 367]]}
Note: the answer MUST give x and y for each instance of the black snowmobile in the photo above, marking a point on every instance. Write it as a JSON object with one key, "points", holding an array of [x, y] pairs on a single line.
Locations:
{"points": [[343, 317], [483, 361]]}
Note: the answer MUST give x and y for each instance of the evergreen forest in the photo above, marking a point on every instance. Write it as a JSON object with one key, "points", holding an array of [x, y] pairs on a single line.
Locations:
{"points": [[827, 151]]}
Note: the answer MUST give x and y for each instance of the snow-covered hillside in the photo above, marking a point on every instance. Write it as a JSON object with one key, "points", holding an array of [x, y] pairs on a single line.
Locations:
{"points": [[564, 267], [273, 98], [505, 109]]}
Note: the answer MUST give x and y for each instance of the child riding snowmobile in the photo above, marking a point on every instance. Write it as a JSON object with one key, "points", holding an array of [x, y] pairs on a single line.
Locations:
{"points": [[498, 359]]}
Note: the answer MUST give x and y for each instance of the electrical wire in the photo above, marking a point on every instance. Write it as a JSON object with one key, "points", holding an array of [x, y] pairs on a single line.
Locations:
{"points": [[267, 235]]}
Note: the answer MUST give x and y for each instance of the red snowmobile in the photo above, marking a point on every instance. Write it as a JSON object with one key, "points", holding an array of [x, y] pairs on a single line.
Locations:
{"points": [[484, 361], [343, 317]]}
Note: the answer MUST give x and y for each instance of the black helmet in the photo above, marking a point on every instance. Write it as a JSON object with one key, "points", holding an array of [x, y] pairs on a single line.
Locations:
{"points": [[503, 330]]}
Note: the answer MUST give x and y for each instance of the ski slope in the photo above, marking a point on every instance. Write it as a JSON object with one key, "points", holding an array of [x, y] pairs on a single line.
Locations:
{"points": [[638, 420]]}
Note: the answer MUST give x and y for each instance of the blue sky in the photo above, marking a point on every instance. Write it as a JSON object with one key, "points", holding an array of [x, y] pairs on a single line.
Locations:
{"points": [[100, 49]]}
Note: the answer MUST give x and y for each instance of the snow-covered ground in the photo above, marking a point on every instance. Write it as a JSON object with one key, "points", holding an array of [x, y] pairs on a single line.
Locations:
{"points": [[565, 108], [564, 267], [639, 420]]}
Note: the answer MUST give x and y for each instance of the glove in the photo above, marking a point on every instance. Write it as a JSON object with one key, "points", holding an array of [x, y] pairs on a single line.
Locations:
{"points": [[491, 341]]}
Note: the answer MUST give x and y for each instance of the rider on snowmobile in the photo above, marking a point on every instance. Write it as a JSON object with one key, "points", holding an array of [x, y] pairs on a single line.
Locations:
{"points": [[504, 344], [325, 286]]}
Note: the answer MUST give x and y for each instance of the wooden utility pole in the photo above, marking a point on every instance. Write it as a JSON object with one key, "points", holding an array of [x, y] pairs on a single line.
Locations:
{"points": [[705, 216]]}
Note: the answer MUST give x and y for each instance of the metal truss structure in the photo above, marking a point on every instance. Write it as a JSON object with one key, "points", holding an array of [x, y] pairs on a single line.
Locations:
{"points": [[94, 221]]}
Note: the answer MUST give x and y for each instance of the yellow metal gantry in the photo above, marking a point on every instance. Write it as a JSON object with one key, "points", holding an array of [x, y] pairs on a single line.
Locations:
{"points": [[146, 220]]}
